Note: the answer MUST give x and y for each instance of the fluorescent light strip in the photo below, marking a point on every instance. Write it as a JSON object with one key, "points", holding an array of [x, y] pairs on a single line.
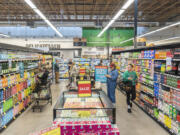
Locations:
{"points": [[4, 35], [126, 40], [165, 39], [119, 13], [166, 27], [29, 2]]}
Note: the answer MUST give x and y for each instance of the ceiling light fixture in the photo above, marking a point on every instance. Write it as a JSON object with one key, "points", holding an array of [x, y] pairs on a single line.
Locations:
{"points": [[119, 13], [4, 35], [149, 33], [29, 2]]}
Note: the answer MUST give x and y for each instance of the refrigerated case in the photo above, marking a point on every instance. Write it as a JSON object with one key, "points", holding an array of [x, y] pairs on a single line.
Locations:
{"points": [[69, 105]]}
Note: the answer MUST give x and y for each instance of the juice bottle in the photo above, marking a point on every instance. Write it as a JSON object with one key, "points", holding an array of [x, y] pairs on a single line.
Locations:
{"points": [[178, 70]]}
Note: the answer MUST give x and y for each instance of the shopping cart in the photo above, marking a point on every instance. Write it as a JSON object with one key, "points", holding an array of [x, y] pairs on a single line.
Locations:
{"points": [[44, 98]]}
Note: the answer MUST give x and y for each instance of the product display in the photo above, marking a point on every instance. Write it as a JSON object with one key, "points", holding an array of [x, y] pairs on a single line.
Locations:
{"points": [[70, 105], [17, 82], [158, 83], [63, 68]]}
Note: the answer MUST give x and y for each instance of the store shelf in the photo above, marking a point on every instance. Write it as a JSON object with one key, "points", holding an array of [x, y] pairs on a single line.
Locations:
{"points": [[2, 128], [170, 86], [176, 59], [145, 73], [175, 76], [147, 103], [146, 84], [160, 59], [155, 119], [140, 58], [147, 93]]}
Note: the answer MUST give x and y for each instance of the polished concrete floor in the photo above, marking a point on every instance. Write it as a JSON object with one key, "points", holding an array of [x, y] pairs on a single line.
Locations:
{"points": [[137, 123]]}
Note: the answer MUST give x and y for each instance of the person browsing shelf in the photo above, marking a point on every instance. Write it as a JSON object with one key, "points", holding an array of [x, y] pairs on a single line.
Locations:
{"points": [[130, 79], [56, 68], [112, 82]]}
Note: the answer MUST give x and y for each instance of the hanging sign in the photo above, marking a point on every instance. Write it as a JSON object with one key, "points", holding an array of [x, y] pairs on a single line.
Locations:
{"points": [[100, 72], [84, 88]]}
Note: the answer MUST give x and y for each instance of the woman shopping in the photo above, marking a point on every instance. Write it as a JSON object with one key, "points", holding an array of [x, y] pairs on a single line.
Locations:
{"points": [[112, 82], [130, 79]]}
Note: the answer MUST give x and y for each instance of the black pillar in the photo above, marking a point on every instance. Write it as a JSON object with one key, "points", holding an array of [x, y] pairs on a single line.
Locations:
{"points": [[135, 22], [108, 40]]}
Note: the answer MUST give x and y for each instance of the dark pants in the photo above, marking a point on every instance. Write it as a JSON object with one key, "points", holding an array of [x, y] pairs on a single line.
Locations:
{"points": [[131, 95]]}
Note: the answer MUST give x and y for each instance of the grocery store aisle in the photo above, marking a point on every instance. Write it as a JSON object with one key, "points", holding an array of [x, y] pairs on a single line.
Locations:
{"points": [[137, 123], [30, 122]]}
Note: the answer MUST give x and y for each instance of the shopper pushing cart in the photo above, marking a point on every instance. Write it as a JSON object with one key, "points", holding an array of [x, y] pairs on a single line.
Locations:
{"points": [[130, 79]]}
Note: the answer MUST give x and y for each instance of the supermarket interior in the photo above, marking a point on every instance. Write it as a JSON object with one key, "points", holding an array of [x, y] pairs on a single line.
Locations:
{"points": [[89, 67]]}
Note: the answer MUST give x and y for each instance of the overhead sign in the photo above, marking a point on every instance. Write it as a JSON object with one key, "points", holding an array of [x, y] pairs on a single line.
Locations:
{"points": [[100, 72], [84, 88]]}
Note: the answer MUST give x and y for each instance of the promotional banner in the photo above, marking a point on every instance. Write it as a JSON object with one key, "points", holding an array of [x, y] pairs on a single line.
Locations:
{"points": [[100, 72], [84, 88]]}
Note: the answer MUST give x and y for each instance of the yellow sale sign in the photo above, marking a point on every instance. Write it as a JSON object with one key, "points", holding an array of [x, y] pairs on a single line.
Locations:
{"points": [[55, 131]]}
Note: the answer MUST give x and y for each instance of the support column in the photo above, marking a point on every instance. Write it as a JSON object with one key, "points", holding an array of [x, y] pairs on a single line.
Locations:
{"points": [[135, 22]]}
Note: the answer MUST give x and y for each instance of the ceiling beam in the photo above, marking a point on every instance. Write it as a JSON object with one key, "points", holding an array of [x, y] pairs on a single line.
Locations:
{"points": [[93, 8], [75, 10], [152, 13], [106, 7], [65, 9], [166, 11], [64, 20], [169, 13]]}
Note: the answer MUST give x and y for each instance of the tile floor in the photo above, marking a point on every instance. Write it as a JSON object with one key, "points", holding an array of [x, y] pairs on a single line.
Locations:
{"points": [[137, 123]]}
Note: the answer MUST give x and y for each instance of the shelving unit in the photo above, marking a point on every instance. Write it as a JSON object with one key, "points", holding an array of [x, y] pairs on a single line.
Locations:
{"points": [[160, 100], [17, 80]]}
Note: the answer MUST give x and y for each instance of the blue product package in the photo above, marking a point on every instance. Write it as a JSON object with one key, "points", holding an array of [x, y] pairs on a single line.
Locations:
{"points": [[153, 54], [155, 77], [148, 54], [1, 95], [7, 117]]}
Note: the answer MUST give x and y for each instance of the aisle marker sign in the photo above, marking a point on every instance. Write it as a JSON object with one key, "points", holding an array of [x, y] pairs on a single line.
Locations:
{"points": [[84, 88], [100, 72]]}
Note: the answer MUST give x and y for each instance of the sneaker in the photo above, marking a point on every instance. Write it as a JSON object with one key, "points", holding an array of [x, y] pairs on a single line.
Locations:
{"points": [[114, 104], [129, 110]]}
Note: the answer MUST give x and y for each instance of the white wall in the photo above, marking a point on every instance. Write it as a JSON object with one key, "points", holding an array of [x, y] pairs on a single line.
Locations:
{"points": [[64, 43]]}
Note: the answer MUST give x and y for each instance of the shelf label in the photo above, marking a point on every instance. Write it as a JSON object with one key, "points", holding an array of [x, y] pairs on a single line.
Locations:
{"points": [[100, 72], [84, 88]]}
